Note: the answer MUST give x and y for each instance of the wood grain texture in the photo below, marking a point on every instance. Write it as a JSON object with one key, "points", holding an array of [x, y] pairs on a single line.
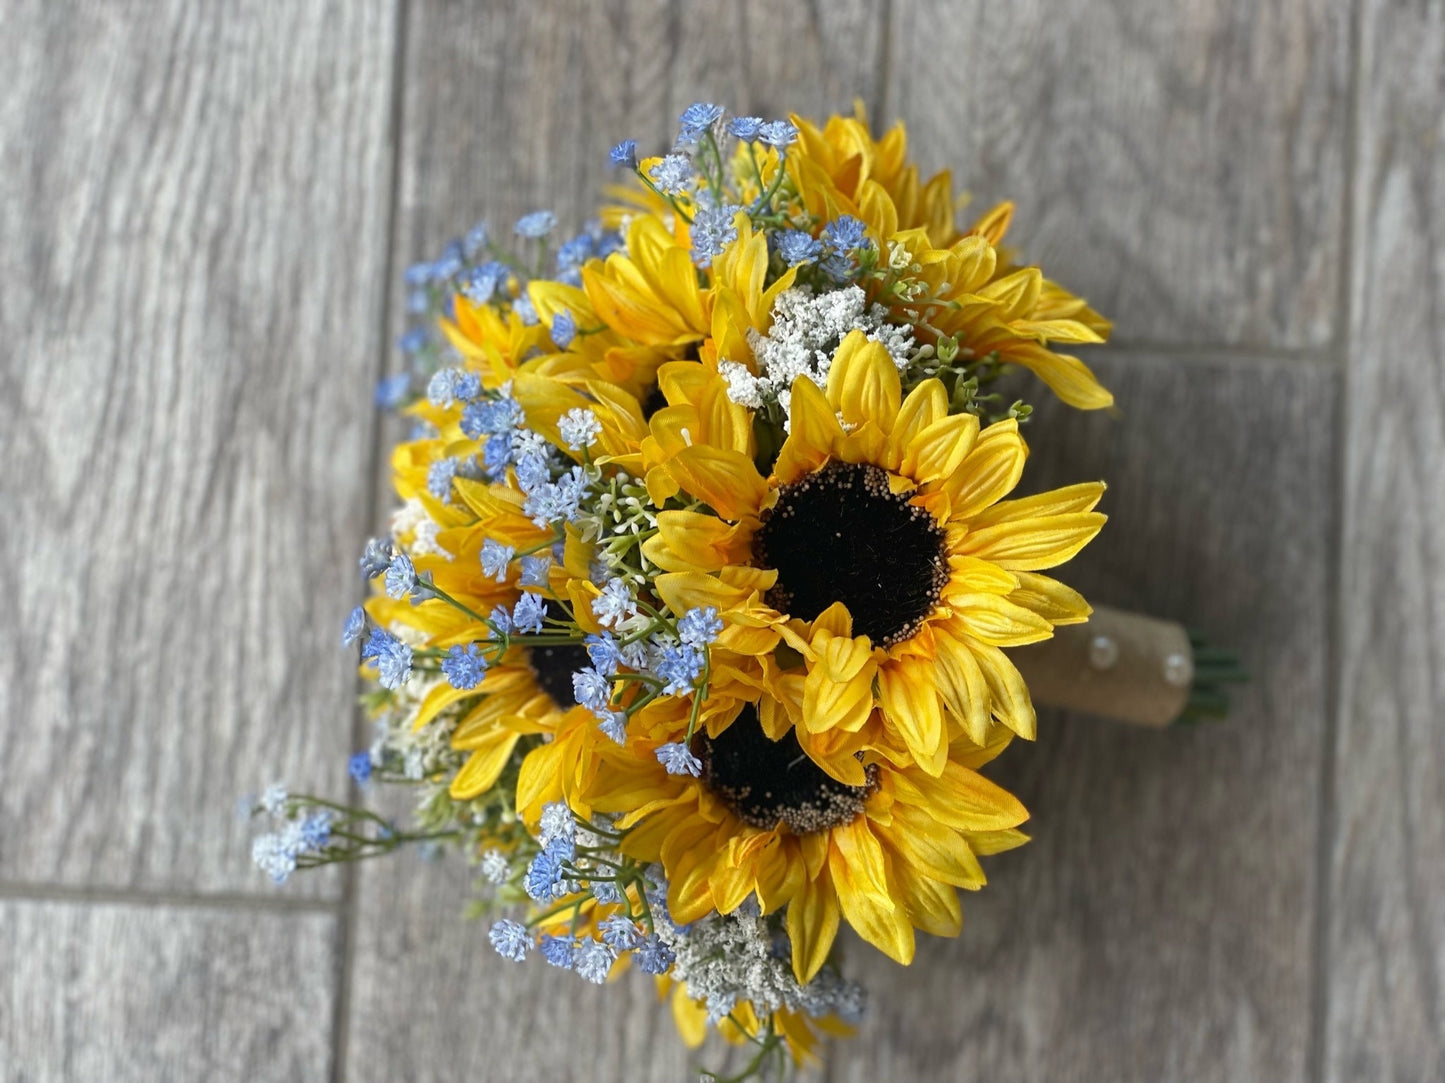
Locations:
{"points": [[514, 107], [432, 1002], [1159, 925], [194, 203], [1386, 948], [1181, 164], [140, 994]]}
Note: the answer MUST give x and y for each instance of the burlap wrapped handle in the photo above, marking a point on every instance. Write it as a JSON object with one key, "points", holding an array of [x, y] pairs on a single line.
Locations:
{"points": [[1119, 665]]}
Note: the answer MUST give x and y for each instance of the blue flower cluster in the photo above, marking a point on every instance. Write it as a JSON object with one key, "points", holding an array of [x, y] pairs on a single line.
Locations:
{"points": [[464, 666], [557, 873], [677, 662], [476, 267], [302, 832], [841, 238], [712, 232], [685, 170]]}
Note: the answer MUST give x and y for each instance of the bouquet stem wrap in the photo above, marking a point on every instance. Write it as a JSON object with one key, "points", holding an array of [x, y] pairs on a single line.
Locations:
{"points": [[1120, 665]]}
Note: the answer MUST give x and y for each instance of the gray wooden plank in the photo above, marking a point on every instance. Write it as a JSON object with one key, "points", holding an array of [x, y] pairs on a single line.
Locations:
{"points": [[507, 109], [1158, 927], [513, 107], [127, 993], [432, 1002], [190, 262], [1385, 953], [1181, 164]]}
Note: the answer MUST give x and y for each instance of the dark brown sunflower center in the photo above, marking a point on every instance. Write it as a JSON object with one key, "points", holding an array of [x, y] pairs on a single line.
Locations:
{"points": [[652, 402], [770, 782], [841, 535], [554, 666]]}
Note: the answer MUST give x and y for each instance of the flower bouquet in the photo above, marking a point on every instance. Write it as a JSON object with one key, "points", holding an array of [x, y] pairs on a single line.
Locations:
{"points": [[706, 599]]}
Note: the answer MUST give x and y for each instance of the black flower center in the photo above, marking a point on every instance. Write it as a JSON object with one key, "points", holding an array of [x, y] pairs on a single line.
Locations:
{"points": [[770, 782], [841, 535], [654, 401], [555, 665]]}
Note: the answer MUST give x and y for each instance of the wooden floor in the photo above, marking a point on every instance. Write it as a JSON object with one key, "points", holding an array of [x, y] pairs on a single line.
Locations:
{"points": [[204, 211]]}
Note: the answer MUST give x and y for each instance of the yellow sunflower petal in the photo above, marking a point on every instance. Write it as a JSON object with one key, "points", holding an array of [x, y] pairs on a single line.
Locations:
{"points": [[813, 432], [539, 780], [925, 404], [996, 842], [996, 620], [729, 885], [682, 591], [857, 862], [939, 450], [970, 575], [484, 766], [690, 1016], [1072, 498], [874, 916], [780, 876], [908, 694], [689, 856], [994, 223], [960, 799], [812, 925], [962, 684], [863, 382], [802, 1042], [1016, 293], [933, 848], [990, 471], [725, 480], [1058, 330], [932, 907], [689, 540], [838, 691], [1050, 599], [440, 698], [1028, 545], [836, 620], [1011, 701], [1067, 377]]}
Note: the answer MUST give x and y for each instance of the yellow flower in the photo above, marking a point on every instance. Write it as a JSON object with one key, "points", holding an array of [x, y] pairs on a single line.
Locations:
{"points": [[962, 285], [954, 286], [761, 819], [975, 294], [490, 342], [650, 294], [881, 550], [800, 1032], [527, 692], [841, 169]]}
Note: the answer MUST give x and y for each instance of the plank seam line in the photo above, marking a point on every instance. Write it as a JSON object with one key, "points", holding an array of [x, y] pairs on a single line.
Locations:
{"points": [[1316, 1054], [19, 891], [1326, 357], [346, 926]]}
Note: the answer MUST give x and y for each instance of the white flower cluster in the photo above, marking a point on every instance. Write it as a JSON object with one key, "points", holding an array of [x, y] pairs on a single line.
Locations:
{"points": [[415, 531], [424, 752], [806, 330], [725, 958]]}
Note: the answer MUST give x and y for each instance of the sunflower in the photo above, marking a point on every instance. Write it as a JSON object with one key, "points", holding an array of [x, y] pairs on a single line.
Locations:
{"points": [[841, 167], [527, 692], [953, 285], [762, 819], [879, 548]]}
